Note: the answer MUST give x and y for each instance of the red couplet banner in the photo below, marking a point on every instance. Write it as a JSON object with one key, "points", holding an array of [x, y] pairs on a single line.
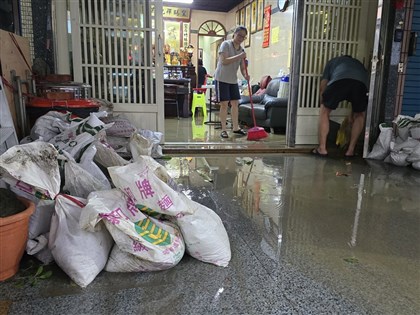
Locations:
{"points": [[267, 20]]}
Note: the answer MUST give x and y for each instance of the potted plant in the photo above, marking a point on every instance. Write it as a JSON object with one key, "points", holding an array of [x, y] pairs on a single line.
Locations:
{"points": [[15, 212]]}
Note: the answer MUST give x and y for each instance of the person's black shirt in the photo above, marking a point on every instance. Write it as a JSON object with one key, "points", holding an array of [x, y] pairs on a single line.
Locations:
{"points": [[201, 75]]}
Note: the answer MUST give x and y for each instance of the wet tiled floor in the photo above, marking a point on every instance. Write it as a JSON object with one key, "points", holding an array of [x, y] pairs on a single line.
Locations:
{"points": [[308, 235]]}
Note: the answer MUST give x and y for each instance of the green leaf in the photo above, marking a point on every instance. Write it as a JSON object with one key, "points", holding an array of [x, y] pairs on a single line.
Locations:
{"points": [[46, 275], [39, 271], [351, 260]]}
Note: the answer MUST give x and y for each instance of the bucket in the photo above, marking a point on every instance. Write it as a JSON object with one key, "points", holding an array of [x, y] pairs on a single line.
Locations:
{"points": [[13, 238], [283, 87]]}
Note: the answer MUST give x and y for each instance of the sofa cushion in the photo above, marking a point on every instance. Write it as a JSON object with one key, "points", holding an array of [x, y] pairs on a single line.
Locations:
{"points": [[259, 110], [273, 87]]}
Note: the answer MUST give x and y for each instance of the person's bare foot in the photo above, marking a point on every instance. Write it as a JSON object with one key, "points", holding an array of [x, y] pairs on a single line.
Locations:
{"points": [[349, 153]]}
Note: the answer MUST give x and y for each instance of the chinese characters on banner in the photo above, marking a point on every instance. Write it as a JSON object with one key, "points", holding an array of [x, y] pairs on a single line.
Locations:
{"points": [[185, 34], [174, 13], [267, 19]]}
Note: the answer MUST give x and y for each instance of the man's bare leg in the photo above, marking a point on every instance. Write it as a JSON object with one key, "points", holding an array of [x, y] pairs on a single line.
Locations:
{"points": [[356, 130], [323, 128], [223, 113]]}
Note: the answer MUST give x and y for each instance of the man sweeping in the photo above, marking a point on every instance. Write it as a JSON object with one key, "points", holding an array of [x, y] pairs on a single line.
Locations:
{"points": [[344, 78]]}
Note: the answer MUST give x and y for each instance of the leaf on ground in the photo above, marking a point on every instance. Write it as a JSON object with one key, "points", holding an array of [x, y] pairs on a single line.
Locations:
{"points": [[351, 260]]}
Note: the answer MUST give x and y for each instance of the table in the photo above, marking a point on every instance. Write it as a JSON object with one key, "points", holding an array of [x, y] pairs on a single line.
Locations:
{"points": [[210, 87]]}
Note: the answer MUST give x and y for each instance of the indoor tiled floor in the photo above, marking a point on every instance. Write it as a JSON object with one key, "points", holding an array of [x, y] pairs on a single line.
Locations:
{"points": [[197, 130], [308, 235]]}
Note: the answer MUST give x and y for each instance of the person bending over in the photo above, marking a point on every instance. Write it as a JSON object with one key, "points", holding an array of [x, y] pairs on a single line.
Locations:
{"points": [[344, 78]]}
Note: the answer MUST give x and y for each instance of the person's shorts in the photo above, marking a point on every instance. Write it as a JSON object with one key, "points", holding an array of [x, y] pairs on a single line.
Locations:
{"points": [[347, 89], [227, 91]]}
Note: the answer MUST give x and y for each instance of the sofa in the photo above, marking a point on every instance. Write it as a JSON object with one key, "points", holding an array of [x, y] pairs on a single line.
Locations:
{"points": [[270, 111]]}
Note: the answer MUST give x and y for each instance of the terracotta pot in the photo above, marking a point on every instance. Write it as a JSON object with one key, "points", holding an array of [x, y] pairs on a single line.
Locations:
{"points": [[13, 238]]}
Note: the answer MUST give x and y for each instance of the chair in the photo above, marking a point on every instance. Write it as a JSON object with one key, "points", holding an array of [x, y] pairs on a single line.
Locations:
{"points": [[199, 99]]}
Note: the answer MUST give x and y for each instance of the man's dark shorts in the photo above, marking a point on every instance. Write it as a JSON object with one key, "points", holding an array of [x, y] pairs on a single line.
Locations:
{"points": [[227, 91], [347, 89]]}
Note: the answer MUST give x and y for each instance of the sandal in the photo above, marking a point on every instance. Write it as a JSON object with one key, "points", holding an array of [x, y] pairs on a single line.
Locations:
{"points": [[224, 134], [240, 132]]}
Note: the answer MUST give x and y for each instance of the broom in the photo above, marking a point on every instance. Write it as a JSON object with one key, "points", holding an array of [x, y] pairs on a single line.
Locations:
{"points": [[254, 133]]}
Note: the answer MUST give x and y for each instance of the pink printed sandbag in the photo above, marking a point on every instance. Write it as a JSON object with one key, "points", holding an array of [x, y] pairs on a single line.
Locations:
{"points": [[204, 234], [144, 242]]}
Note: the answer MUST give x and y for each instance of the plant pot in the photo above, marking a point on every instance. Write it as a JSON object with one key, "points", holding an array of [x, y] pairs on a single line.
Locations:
{"points": [[13, 238]]}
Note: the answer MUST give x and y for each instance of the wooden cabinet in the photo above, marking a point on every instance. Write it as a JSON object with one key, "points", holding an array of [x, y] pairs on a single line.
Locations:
{"points": [[181, 72]]}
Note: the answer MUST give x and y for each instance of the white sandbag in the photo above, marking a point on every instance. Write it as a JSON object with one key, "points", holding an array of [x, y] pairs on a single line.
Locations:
{"points": [[87, 163], [140, 145], [204, 234], [153, 138], [398, 158], [38, 248], [81, 254], [409, 143], [405, 124], [78, 182], [49, 125], [148, 243], [381, 148], [33, 168], [121, 261], [414, 155], [121, 127], [414, 131], [40, 220], [401, 150], [106, 155], [78, 136], [416, 165]]}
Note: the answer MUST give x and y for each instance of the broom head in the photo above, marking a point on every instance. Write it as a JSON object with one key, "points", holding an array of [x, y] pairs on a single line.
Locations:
{"points": [[256, 133]]}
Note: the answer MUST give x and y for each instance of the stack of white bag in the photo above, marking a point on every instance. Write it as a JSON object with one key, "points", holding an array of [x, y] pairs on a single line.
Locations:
{"points": [[401, 149], [145, 195], [151, 222], [32, 170]]}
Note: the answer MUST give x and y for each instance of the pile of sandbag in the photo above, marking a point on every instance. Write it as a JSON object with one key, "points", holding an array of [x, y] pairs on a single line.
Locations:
{"points": [[98, 211], [399, 144], [117, 130]]}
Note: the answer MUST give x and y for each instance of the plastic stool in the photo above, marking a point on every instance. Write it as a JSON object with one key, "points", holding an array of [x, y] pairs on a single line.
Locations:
{"points": [[199, 101]]}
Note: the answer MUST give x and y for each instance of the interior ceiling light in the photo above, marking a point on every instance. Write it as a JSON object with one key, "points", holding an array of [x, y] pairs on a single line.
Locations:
{"points": [[179, 1]]}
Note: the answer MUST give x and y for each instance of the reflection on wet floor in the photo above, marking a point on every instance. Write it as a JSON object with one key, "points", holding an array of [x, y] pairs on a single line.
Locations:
{"points": [[353, 226]]}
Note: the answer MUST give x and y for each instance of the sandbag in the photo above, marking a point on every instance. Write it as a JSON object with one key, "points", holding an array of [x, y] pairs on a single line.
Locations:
{"points": [[106, 155], [79, 135], [81, 254], [204, 234], [145, 241], [78, 182], [381, 148], [32, 168]]}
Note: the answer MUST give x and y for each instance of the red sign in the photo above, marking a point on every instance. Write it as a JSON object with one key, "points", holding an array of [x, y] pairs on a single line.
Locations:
{"points": [[267, 19]]}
